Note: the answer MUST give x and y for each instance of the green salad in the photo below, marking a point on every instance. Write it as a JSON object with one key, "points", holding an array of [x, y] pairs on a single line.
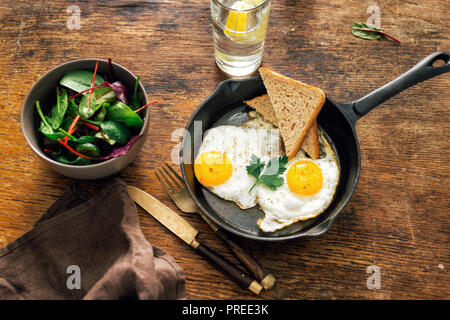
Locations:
{"points": [[92, 120]]}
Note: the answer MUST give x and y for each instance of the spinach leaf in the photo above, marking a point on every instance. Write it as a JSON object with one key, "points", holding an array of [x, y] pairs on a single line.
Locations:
{"points": [[88, 149], [95, 123], [72, 108], [68, 135], [82, 139], [103, 136], [86, 139], [100, 115], [105, 94], [120, 112], [87, 108], [99, 97], [67, 122], [78, 161], [135, 103], [59, 110], [45, 127], [365, 33], [80, 80], [116, 131], [48, 132]]}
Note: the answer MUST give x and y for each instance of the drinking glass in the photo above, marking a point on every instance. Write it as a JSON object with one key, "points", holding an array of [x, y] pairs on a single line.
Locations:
{"points": [[239, 30]]}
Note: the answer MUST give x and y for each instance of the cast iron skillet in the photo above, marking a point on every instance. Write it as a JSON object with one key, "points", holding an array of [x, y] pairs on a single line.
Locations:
{"points": [[336, 120]]}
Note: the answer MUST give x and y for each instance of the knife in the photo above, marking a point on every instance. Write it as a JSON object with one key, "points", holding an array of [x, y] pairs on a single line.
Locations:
{"points": [[186, 232]]}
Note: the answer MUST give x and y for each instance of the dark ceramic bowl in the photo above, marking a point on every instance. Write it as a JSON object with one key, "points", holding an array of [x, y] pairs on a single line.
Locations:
{"points": [[44, 91]]}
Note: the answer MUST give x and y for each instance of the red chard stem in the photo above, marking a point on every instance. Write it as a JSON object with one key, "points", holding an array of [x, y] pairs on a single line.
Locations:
{"points": [[148, 104], [93, 82], [380, 32], [73, 151]]}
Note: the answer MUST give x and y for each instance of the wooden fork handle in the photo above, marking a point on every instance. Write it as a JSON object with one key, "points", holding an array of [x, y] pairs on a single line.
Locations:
{"points": [[267, 280], [227, 267]]}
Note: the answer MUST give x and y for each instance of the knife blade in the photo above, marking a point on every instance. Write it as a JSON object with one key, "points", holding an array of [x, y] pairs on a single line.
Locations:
{"points": [[166, 216], [186, 232]]}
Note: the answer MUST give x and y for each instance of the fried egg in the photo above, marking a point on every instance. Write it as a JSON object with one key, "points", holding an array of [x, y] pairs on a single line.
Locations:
{"points": [[308, 188], [225, 152]]}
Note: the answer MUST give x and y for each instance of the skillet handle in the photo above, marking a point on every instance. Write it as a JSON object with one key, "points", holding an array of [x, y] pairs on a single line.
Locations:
{"points": [[420, 72]]}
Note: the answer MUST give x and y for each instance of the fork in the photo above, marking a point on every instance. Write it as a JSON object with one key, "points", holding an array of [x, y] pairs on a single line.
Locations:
{"points": [[176, 189]]}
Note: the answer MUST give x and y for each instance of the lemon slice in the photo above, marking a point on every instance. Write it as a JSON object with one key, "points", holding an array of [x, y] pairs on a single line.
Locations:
{"points": [[236, 27]]}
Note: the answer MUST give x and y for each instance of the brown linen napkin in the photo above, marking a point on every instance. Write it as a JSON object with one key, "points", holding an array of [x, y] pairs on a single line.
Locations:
{"points": [[100, 237]]}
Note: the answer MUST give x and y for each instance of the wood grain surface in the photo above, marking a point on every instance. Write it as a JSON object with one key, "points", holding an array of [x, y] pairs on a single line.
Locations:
{"points": [[398, 217]]}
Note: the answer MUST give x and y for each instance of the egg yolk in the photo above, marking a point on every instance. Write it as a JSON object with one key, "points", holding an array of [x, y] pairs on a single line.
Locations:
{"points": [[212, 168], [305, 178]]}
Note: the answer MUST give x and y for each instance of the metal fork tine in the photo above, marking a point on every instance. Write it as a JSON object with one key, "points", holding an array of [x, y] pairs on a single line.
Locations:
{"points": [[175, 173], [164, 182], [177, 184]]}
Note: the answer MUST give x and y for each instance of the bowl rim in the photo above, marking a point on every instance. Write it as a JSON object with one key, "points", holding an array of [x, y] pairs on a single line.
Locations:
{"points": [[38, 150]]}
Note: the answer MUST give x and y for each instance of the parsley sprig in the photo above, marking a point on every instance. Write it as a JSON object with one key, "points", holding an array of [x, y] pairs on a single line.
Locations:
{"points": [[267, 174]]}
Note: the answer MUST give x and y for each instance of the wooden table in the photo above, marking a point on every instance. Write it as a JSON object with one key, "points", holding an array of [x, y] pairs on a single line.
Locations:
{"points": [[398, 217]]}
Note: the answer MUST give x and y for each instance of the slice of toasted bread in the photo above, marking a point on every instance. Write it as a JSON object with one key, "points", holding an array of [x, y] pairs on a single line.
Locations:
{"points": [[263, 106], [296, 107], [311, 143]]}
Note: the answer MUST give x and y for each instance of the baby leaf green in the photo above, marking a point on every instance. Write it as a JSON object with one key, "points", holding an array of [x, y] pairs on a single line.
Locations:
{"points": [[135, 103], [87, 108], [365, 34], [103, 95], [59, 110], [86, 139], [100, 115], [116, 131], [88, 149], [72, 108], [78, 161], [99, 97], [103, 136], [45, 127], [80, 80], [120, 112], [48, 132]]}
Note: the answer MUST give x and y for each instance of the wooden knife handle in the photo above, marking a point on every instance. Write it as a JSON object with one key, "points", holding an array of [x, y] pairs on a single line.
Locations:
{"points": [[227, 267], [267, 280]]}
